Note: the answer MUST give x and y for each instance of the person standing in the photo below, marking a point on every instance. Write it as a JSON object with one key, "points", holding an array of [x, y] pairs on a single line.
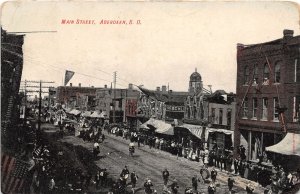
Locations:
{"points": [[230, 182], [212, 188], [97, 179], [213, 175], [195, 183], [165, 175], [133, 178]]}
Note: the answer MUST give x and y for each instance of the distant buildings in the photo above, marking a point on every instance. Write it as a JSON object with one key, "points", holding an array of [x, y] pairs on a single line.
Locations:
{"points": [[68, 95], [114, 103], [268, 93]]}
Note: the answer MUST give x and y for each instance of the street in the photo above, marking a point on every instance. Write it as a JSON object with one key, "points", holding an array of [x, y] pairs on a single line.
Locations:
{"points": [[149, 163]]}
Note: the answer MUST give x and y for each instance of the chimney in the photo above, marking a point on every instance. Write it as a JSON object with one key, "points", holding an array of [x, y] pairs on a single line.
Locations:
{"points": [[130, 86], [158, 89], [239, 46], [164, 88], [70, 84], [92, 86], [288, 33], [79, 84], [105, 86]]}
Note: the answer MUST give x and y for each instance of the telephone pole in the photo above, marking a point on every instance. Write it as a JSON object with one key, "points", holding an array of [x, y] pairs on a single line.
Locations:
{"points": [[40, 95], [114, 96]]}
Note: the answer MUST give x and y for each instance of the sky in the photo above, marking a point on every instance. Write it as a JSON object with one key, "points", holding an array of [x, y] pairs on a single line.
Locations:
{"points": [[172, 39]]}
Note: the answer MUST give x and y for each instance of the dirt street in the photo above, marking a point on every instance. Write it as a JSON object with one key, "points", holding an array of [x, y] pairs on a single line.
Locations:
{"points": [[151, 162]]}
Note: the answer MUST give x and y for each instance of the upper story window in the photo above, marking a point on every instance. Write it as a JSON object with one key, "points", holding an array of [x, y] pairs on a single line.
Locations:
{"points": [[254, 108], [277, 72], [265, 108], [246, 74], [229, 111], [245, 108], [297, 70], [220, 116], [213, 115], [255, 76], [266, 75]]}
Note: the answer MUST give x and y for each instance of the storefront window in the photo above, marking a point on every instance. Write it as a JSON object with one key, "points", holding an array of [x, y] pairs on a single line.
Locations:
{"points": [[296, 109], [275, 109]]}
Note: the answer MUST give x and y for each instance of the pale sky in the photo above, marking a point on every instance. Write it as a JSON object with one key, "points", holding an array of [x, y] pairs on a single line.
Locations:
{"points": [[172, 40]]}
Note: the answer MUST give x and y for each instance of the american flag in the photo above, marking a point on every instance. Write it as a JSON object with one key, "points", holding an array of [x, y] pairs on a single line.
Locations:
{"points": [[13, 174]]}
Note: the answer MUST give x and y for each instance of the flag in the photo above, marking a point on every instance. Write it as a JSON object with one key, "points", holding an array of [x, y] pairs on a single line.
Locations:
{"points": [[68, 76], [13, 174]]}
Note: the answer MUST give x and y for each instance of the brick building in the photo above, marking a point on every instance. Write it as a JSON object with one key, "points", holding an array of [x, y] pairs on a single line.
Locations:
{"points": [[11, 73], [107, 97], [68, 95], [268, 93]]}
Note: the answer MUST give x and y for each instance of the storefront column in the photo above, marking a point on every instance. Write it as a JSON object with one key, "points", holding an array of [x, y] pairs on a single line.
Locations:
{"points": [[262, 143], [250, 145]]}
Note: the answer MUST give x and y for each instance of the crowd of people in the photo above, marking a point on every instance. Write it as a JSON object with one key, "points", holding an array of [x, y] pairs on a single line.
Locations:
{"points": [[217, 157]]}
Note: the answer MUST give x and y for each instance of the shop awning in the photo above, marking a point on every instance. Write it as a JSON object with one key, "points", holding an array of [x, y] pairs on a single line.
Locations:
{"points": [[75, 112], [289, 145], [86, 114], [194, 129], [95, 114], [160, 126], [211, 130], [103, 114]]}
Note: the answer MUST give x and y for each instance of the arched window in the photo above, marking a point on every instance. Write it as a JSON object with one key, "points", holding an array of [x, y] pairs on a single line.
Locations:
{"points": [[266, 75], [246, 74], [255, 81], [277, 72]]}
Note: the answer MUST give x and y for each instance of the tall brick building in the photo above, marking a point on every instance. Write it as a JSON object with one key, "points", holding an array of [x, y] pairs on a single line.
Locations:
{"points": [[268, 84]]}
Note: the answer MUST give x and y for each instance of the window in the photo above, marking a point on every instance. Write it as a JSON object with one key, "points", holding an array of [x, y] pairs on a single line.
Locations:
{"points": [[296, 109], [255, 76], [246, 75], [221, 116], [229, 117], [275, 109], [265, 109], [254, 111], [266, 75], [297, 70], [277, 73], [213, 115], [245, 108]]}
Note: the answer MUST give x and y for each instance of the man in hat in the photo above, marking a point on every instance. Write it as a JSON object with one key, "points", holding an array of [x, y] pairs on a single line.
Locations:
{"points": [[125, 173], [213, 174], [133, 178], [147, 185], [165, 175]]}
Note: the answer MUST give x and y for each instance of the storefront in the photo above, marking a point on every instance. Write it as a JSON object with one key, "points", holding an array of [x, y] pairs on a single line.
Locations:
{"points": [[222, 138]]}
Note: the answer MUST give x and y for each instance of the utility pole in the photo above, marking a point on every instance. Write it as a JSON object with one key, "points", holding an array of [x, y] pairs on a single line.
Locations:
{"points": [[114, 96], [40, 95]]}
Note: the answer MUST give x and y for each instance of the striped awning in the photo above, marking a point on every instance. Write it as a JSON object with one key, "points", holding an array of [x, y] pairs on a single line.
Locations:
{"points": [[194, 129]]}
